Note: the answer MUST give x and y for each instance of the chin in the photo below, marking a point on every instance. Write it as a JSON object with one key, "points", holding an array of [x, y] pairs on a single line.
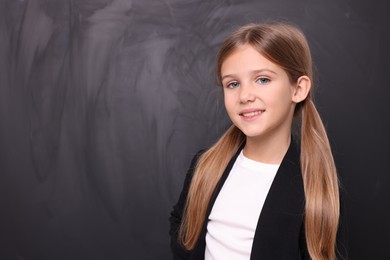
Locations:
{"points": [[252, 133]]}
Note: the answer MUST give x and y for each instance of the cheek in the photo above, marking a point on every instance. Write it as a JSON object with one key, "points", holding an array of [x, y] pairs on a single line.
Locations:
{"points": [[281, 97], [227, 105], [226, 100], [229, 100]]}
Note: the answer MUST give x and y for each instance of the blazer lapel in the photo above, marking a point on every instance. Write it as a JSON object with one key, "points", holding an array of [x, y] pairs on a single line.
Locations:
{"points": [[279, 225], [278, 229]]}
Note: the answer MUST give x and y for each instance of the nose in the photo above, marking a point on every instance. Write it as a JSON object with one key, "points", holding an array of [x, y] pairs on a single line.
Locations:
{"points": [[246, 94]]}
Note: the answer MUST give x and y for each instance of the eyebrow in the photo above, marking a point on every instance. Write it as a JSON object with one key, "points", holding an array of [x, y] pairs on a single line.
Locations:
{"points": [[252, 73]]}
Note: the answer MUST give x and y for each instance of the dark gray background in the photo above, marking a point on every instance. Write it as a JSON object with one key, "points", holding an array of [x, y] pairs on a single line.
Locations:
{"points": [[103, 103]]}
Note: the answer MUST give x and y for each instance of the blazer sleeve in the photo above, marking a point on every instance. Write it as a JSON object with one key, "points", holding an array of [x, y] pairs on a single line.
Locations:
{"points": [[302, 244], [178, 251]]}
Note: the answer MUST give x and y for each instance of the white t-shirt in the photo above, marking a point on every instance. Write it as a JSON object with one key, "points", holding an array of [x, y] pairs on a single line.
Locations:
{"points": [[234, 216]]}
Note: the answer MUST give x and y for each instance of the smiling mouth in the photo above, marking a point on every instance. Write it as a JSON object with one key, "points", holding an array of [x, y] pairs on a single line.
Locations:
{"points": [[252, 114]]}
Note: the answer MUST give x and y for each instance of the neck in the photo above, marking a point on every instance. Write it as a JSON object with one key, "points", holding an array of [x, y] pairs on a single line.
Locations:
{"points": [[267, 149]]}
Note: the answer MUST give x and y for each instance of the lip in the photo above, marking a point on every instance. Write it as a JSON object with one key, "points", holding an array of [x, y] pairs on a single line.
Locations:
{"points": [[251, 114]]}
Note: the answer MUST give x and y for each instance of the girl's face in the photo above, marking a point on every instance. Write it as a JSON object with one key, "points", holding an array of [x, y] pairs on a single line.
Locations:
{"points": [[258, 94]]}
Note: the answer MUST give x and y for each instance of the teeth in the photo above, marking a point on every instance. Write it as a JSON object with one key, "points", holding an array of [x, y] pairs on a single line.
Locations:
{"points": [[255, 113]]}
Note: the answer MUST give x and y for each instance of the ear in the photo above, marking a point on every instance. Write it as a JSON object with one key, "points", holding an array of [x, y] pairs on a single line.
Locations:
{"points": [[301, 89]]}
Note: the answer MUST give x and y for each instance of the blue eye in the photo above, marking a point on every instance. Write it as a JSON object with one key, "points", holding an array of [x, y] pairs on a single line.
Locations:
{"points": [[263, 80], [233, 85]]}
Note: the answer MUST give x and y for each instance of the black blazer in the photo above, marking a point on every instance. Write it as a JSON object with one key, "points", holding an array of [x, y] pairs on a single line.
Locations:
{"points": [[280, 229]]}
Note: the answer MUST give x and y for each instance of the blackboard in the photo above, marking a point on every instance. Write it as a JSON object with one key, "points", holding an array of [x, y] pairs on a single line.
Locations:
{"points": [[103, 103]]}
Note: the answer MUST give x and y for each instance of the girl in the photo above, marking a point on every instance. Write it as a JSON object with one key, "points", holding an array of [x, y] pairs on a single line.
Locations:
{"points": [[255, 194]]}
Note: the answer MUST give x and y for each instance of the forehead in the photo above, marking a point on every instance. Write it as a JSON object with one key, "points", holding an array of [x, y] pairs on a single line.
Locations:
{"points": [[246, 58]]}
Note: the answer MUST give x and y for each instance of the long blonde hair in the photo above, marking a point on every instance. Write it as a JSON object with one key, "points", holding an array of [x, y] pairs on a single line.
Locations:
{"points": [[286, 46]]}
